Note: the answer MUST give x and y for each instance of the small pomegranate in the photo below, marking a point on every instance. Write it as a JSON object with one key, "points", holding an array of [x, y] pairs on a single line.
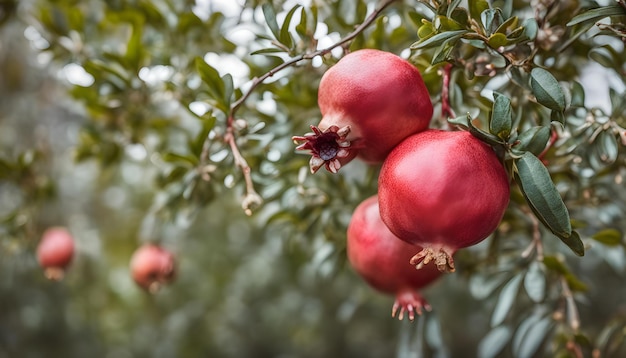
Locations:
{"points": [[370, 101], [382, 260], [152, 266], [55, 252], [443, 191]]}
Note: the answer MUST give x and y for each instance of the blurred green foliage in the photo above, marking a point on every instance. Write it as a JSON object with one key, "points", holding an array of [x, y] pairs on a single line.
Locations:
{"points": [[131, 121]]}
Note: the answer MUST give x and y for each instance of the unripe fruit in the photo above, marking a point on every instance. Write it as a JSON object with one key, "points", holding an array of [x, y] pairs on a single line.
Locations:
{"points": [[55, 252], [443, 191], [382, 260], [152, 266], [370, 101]]}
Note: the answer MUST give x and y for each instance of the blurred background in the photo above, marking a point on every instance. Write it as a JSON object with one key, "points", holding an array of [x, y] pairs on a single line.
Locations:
{"points": [[97, 134]]}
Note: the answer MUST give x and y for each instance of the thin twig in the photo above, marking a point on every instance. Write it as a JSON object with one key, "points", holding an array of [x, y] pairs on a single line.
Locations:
{"points": [[252, 199], [307, 56]]}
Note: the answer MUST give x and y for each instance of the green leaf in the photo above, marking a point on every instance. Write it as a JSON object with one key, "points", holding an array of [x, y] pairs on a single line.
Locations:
{"points": [[533, 337], [492, 344], [501, 117], [497, 40], [179, 158], [555, 264], [594, 15], [578, 95], [607, 147], [609, 237], [285, 37], [507, 297], [534, 180], [476, 8], [447, 24], [438, 39], [270, 19], [535, 282], [453, 5], [547, 89], [533, 140], [214, 82]]}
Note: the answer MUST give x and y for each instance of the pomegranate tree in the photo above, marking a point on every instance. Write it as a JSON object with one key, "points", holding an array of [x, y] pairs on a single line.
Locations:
{"points": [[55, 252], [382, 260], [444, 191], [370, 101], [152, 266]]}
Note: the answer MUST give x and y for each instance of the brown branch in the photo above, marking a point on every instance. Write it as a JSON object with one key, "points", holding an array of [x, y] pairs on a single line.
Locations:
{"points": [[252, 198], [307, 56]]}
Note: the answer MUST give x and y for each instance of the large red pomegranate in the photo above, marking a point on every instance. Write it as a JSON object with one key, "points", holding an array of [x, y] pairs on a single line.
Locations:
{"points": [[382, 260], [370, 101], [152, 266], [55, 251], [444, 191]]}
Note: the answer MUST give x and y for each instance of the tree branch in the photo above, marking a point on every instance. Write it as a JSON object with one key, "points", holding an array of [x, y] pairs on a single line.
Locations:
{"points": [[252, 199]]}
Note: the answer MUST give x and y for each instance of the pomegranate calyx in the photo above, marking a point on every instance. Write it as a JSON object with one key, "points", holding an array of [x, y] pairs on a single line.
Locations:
{"points": [[326, 147], [441, 258], [411, 302]]}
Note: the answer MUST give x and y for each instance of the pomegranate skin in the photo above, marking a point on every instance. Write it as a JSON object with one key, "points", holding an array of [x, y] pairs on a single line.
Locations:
{"points": [[152, 266], [444, 191], [55, 251], [377, 98], [382, 260]]}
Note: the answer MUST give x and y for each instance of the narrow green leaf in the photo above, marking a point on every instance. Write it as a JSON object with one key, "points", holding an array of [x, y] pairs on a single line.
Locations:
{"points": [[212, 79], [578, 95], [501, 116], [594, 15], [533, 140], [270, 19], [453, 5], [574, 243], [227, 80], [301, 27], [134, 48], [534, 337], [492, 344], [547, 89], [522, 330], [179, 158], [438, 39], [607, 147], [267, 51], [609, 237], [285, 37], [541, 194], [535, 282], [507, 297]]}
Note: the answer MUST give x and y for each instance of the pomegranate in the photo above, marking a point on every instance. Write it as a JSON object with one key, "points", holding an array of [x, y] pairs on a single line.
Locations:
{"points": [[370, 101], [152, 266], [382, 260], [443, 191], [55, 252]]}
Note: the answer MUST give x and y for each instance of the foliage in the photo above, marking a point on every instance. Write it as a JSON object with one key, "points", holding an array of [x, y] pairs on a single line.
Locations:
{"points": [[160, 120]]}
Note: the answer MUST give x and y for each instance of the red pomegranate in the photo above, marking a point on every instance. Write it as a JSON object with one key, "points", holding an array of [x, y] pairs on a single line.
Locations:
{"points": [[443, 191], [55, 252], [382, 260], [370, 101], [152, 266]]}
